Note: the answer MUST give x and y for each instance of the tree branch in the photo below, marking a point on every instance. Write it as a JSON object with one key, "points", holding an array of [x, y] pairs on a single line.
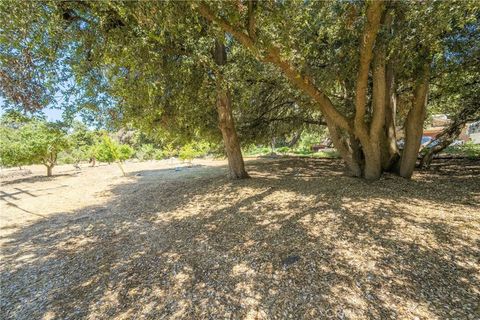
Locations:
{"points": [[374, 15], [304, 83], [251, 18]]}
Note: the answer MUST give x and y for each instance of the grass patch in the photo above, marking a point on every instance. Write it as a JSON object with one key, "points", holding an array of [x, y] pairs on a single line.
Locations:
{"points": [[469, 150]]}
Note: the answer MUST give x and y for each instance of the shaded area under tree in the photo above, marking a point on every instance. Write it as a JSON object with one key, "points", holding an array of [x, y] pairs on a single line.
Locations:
{"points": [[299, 239]]}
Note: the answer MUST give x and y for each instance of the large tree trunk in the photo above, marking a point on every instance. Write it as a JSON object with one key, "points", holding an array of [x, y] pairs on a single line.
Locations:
{"points": [[390, 152], [226, 121], [376, 138], [348, 148], [369, 134], [367, 143], [229, 134], [414, 124], [362, 150]]}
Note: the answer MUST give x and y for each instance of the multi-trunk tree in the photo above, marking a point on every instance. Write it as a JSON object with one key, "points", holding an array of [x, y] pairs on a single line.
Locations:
{"points": [[395, 48]]}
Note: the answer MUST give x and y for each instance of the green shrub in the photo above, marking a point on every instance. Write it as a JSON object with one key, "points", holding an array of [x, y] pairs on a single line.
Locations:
{"points": [[283, 150], [169, 151], [106, 150], [65, 158], [187, 153], [308, 139], [76, 155], [302, 151], [145, 152], [13, 150], [110, 151], [254, 150], [202, 148], [469, 150], [193, 150], [124, 152], [159, 155], [332, 154]]}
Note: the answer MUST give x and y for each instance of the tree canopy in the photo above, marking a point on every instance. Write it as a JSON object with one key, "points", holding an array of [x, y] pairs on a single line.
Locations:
{"points": [[250, 71], [30, 141]]}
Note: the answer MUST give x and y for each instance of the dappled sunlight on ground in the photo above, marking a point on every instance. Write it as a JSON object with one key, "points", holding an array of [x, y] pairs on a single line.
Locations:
{"points": [[300, 239]]}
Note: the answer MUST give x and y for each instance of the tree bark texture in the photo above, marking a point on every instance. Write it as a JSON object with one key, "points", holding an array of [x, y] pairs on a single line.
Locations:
{"points": [[49, 171], [367, 141], [414, 124], [226, 121]]}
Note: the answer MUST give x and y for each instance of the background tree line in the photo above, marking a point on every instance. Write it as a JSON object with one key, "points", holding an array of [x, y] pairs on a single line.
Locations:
{"points": [[33, 140]]}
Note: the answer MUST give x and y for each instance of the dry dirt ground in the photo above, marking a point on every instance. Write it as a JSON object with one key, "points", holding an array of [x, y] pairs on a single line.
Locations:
{"points": [[300, 240]]}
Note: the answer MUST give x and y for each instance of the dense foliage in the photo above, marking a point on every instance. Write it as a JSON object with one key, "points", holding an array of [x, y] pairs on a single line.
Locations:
{"points": [[251, 72], [31, 142]]}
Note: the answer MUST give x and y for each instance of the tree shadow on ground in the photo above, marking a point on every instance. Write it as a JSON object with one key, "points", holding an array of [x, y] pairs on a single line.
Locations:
{"points": [[37, 178], [299, 240]]}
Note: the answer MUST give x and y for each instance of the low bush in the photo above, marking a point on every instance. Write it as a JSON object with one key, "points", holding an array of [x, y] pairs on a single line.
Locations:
{"points": [[193, 150], [302, 151], [124, 152], [65, 158], [254, 150], [469, 150], [159, 155], [110, 151], [283, 150], [330, 154], [145, 152]]}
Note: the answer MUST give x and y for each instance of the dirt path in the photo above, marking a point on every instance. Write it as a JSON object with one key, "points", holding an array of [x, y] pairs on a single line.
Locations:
{"points": [[29, 197], [299, 240]]}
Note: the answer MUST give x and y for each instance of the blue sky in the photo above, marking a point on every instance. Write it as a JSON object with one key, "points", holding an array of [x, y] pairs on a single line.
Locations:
{"points": [[51, 114], [59, 98]]}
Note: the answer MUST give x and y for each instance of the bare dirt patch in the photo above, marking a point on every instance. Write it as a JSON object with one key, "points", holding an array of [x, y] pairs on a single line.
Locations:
{"points": [[299, 240]]}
